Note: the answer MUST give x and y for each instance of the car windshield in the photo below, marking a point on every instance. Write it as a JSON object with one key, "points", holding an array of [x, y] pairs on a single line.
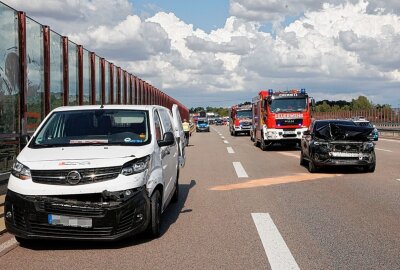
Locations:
{"points": [[202, 122], [288, 105], [94, 127], [244, 114], [364, 124]]}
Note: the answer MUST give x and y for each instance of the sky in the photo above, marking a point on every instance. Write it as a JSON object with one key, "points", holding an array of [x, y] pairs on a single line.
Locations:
{"points": [[223, 52]]}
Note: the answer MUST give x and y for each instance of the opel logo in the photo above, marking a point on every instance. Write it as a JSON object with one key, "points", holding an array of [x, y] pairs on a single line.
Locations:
{"points": [[74, 177]]}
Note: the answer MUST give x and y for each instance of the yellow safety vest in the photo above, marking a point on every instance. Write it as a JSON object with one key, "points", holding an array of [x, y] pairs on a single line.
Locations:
{"points": [[186, 126]]}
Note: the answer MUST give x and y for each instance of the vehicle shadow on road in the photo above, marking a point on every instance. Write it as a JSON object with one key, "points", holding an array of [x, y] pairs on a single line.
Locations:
{"points": [[173, 211], [170, 216], [283, 147], [340, 170]]}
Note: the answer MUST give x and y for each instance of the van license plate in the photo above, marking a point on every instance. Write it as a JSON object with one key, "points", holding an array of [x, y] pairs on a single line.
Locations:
{"points": [[69, 221]]}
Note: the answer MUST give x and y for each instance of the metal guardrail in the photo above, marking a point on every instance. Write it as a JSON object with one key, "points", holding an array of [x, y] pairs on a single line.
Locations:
{"points": [[389, 132]]}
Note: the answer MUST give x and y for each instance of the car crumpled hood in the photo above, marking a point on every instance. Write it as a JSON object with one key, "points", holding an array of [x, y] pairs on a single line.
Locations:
{"points": [[80, 157], [336, 132]]}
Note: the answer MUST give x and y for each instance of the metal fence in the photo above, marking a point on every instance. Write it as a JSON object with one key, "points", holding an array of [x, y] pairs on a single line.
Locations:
{"points": [[384, 118], [41, 70]]}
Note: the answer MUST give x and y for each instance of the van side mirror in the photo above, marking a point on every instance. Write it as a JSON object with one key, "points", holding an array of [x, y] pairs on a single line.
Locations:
{"points": [[169, 139]]}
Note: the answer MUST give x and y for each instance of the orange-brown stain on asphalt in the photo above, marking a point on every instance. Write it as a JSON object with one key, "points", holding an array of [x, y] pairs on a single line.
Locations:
{"points": [[275, 181]]}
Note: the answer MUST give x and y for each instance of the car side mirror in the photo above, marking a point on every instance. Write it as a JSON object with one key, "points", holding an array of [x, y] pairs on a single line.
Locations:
{"points": [[169, 139]]}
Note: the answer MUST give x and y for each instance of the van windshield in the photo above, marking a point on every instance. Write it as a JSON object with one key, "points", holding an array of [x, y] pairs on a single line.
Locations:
{"points": [[94, 127]]}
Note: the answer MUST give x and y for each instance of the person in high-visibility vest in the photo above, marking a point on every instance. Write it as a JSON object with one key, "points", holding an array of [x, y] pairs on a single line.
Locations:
{"points": [[186, 129]]}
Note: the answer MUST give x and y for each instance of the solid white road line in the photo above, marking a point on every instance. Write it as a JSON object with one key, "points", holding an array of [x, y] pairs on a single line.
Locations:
{"points": [[289, 154], [389, 140], [380, 149], [241, 173], [278, 253], [230, 150], [7, 244], [225, 141]]}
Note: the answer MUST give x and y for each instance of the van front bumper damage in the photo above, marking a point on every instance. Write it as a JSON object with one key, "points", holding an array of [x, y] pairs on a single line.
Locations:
{"points": [[101, 216]]}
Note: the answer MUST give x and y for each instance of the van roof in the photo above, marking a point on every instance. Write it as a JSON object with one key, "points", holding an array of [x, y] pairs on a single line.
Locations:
{"points": [[98, 107]]}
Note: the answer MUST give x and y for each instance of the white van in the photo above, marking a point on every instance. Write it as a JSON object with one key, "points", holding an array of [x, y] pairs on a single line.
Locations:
{"points": [[95, 172]]}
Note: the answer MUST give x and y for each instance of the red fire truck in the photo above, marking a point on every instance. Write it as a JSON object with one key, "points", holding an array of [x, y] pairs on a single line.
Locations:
{"points": [[280, 117], [240, 119]]}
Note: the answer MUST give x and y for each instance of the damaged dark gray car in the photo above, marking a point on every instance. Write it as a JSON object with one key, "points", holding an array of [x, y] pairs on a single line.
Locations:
{"points": [[337, 143]]}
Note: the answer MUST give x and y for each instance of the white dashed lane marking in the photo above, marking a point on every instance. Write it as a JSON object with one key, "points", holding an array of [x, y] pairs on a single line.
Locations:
{"points": [[225, 141], [241, 173], [380, 149], [230, 150], [278, 253]]}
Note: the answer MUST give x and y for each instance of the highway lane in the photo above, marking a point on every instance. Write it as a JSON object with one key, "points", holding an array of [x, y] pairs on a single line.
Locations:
{"points": [[341, 219]]}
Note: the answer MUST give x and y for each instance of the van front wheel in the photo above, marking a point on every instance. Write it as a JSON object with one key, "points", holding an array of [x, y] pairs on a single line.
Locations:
{"points": [[154, 228]]}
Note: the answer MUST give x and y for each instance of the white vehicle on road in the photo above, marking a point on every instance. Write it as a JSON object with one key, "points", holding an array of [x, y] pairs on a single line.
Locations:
{"points": [[95, 172]]}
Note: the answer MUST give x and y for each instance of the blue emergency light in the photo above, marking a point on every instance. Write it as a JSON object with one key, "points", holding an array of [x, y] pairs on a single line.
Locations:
{"points": [[303, 90], [270, 91]]}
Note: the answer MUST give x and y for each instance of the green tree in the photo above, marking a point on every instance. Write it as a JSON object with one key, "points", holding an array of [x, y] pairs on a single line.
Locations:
{"points": [[324, 107], [361, 103]]}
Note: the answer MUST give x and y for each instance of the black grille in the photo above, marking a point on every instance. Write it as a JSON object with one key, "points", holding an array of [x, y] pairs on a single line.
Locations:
{"points": [[59, 177], [348, 148], [64, 231], [19, 218], [126, 220], [73, 208]]}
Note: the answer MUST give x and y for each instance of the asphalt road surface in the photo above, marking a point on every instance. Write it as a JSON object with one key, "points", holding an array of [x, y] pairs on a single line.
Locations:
{"points": [[242, 208]]}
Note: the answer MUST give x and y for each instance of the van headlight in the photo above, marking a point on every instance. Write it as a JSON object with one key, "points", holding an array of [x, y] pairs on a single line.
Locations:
{"points": [[136, 166], [20, 171]]}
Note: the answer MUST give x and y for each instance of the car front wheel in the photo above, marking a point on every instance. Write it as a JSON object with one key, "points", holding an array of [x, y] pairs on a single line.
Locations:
{"points": [[311, 167], [302, 160]]}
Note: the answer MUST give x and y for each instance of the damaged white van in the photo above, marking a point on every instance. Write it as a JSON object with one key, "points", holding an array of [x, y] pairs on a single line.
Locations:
{"points": [[95, 173]]}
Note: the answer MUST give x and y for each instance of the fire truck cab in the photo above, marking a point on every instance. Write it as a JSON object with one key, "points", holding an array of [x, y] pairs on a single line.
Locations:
{"points": [[240, 119], [280, 117]]}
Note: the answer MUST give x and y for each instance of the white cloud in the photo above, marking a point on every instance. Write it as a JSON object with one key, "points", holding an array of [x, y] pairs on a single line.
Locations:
{"points": [[277, 11], [337, 50]]}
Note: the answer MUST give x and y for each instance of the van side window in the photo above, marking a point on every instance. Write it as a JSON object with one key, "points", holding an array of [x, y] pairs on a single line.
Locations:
{"points": [[157, 126], [166, 120]]}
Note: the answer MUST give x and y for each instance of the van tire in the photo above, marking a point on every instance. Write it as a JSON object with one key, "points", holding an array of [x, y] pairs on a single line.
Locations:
{"points": [[154, 227], [175, 197], [24, 242]]}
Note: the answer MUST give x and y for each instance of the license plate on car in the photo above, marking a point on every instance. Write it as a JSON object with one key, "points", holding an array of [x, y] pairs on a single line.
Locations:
{"points": [[69, 221], [289, 132], [341, 154]]}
